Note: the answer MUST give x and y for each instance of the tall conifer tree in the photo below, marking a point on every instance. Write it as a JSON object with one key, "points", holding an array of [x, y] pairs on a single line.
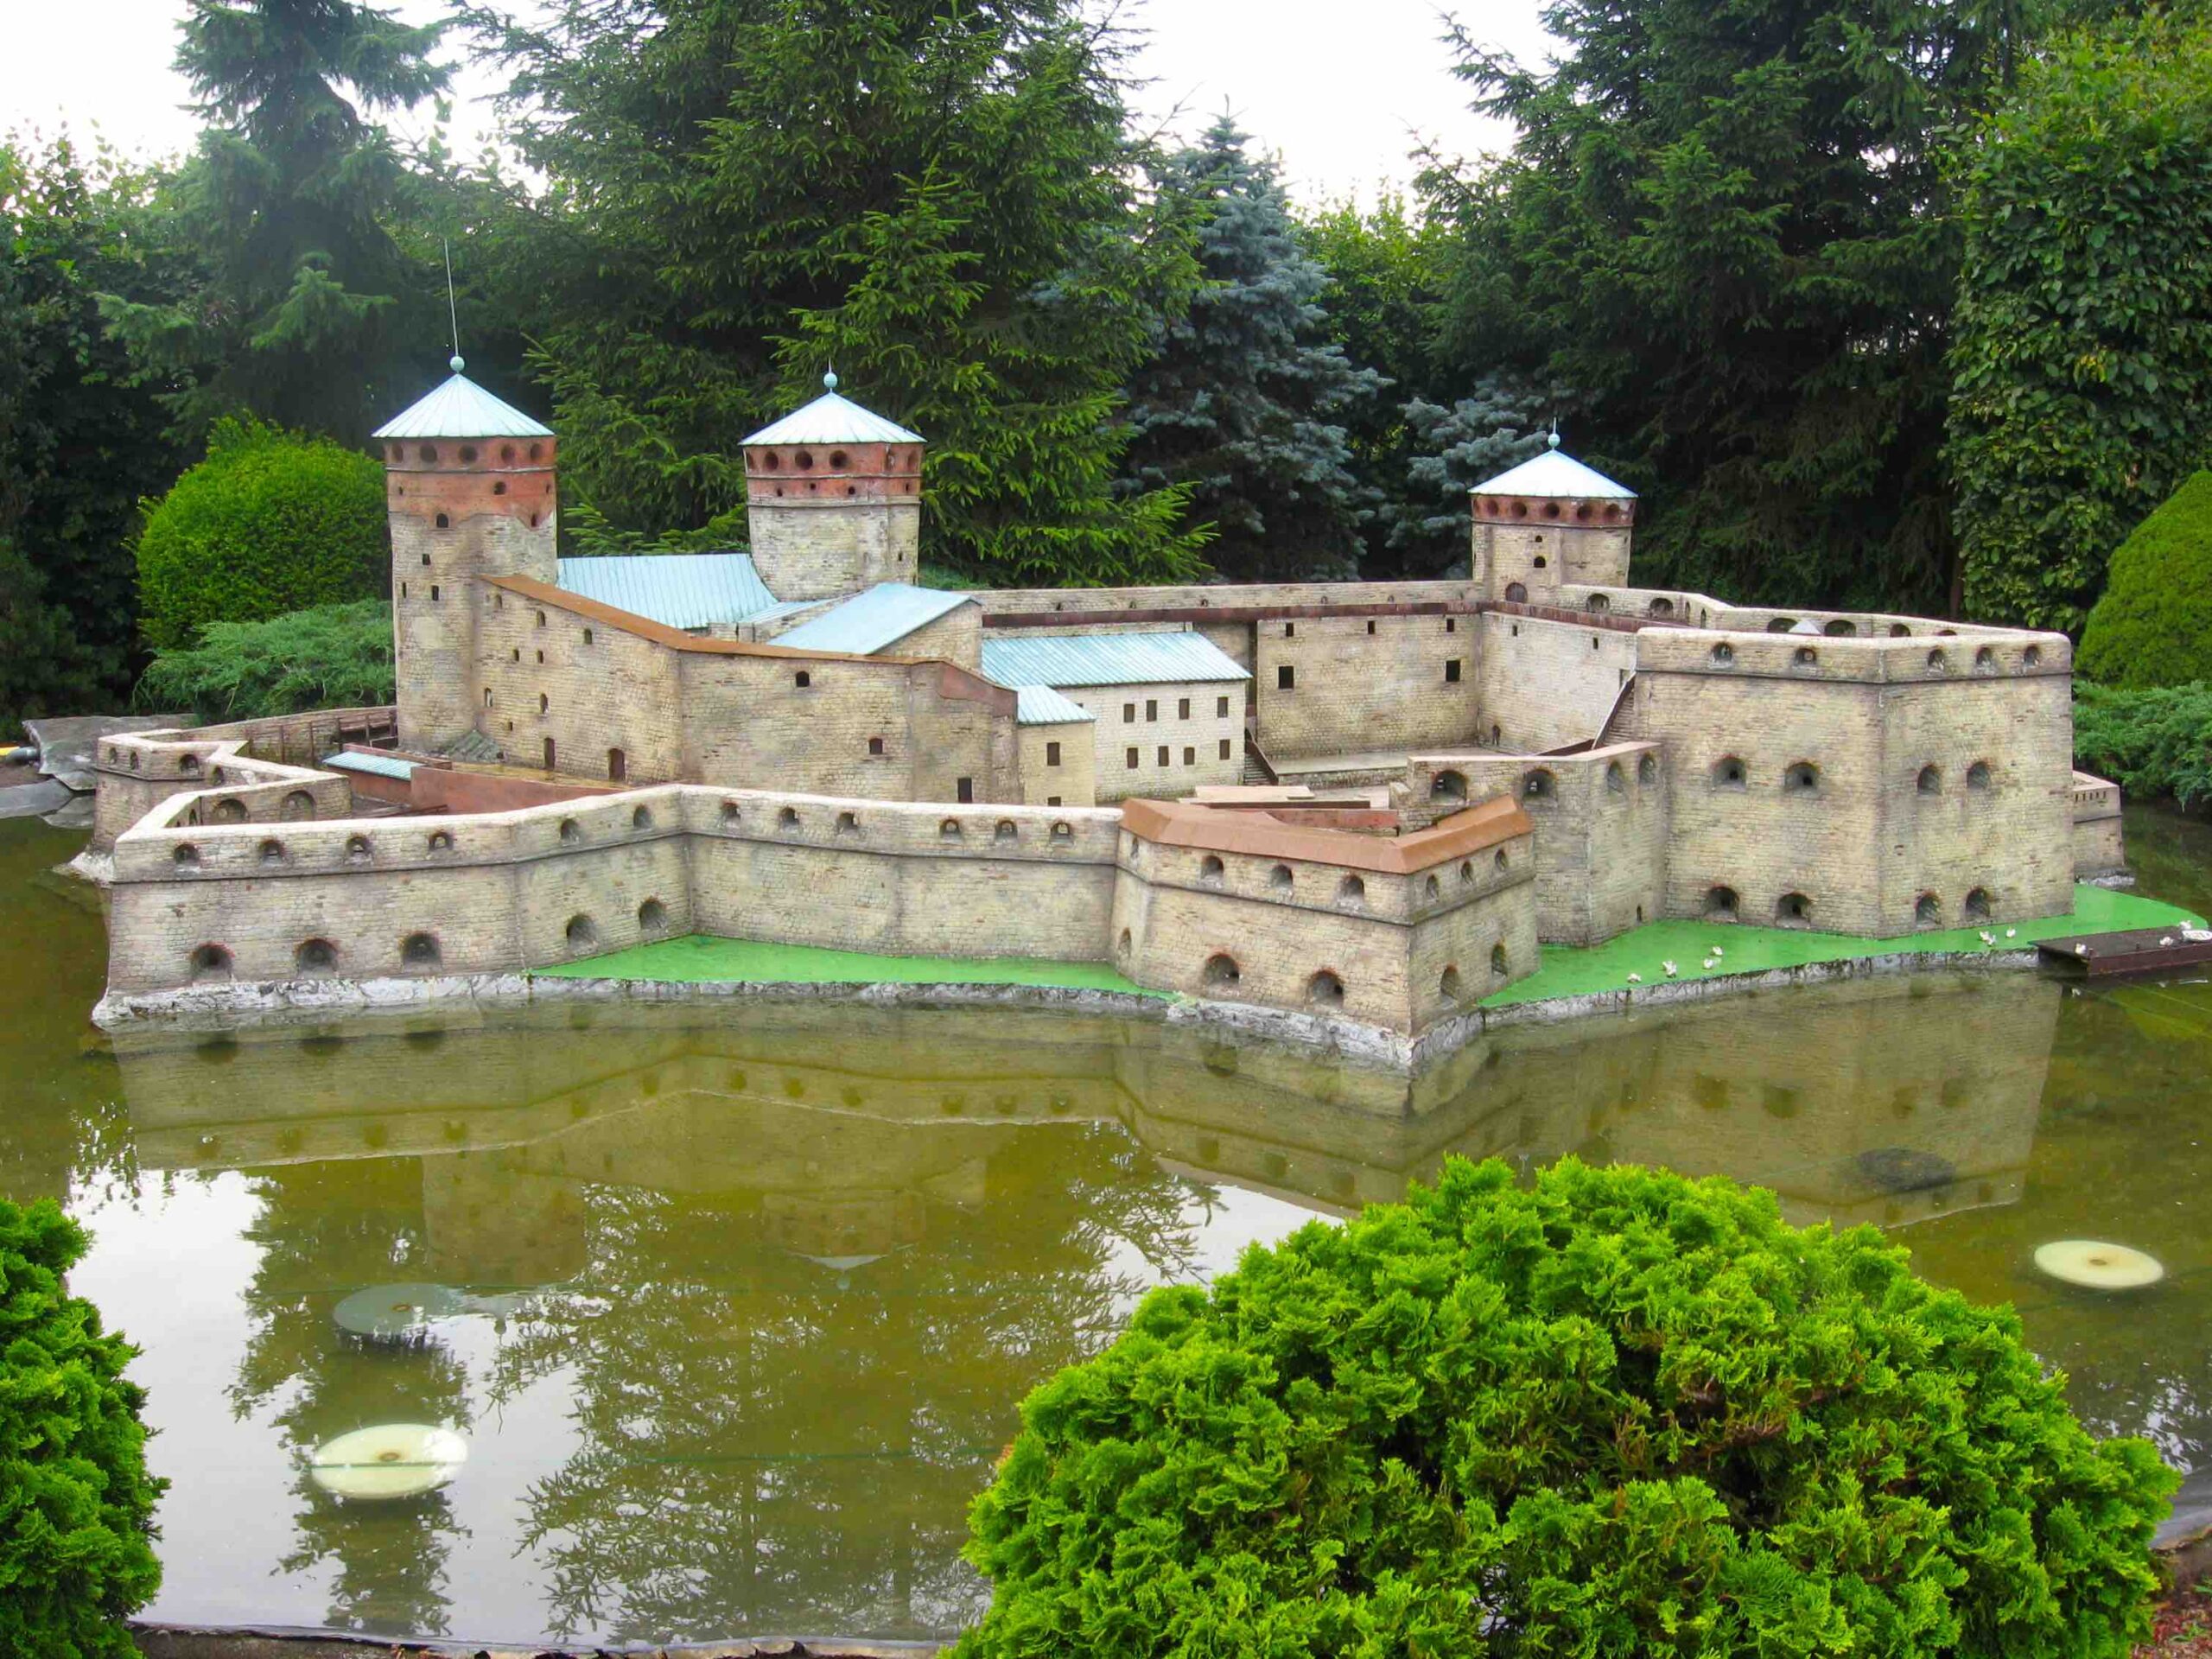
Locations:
{"points": [[1244, 402], [931, 196]]}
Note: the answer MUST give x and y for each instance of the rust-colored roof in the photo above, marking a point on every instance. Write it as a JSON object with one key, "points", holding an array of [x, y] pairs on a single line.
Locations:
{"points": [[1179, 823], [953, 679]]}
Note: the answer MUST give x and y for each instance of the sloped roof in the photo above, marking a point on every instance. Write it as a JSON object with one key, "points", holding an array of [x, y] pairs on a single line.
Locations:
{"points": [[833, 419], [1554, 474], [869, 621], [1109, 659], [677, 590], [462, 409], [1182, 823], [379, 766], [1039, 705]]}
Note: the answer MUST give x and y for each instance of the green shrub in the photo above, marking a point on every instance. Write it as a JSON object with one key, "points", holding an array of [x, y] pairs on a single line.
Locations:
{"points": [[2153, 626], [76, 1503], [2155, 742], [332, 657], [1619, 1412], [270, 522]]}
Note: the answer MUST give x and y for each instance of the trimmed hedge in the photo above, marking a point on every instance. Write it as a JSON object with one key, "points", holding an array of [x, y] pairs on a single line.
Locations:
{"points": [[1616, 1413], [76, 1503], [2154, 743], [332, 657], [2153, 626], [270, 522]]}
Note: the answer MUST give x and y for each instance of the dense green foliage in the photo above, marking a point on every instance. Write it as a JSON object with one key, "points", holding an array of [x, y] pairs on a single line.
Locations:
{"points": [[76, 1503], [1240, 404], [2083, 358], [2153, 626], [1618, 1412], [287, 205], [270, 522], [931, 196], [1725, 230], [80, 423], [329, 656], [2150, 742]]}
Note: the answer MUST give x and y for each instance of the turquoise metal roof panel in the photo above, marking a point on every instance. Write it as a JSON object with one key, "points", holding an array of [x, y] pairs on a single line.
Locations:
{"points": [[377, 766], [1109, 659], [462, 409], [677, 590], [1039, 705], [867, 622], [832, 419], [1555, 474]]}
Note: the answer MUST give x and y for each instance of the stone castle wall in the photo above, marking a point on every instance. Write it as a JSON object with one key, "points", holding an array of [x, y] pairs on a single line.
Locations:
{"points": [[1533, 561], [1060, 765], [1544, 684], [1163, 740], [1339, 685], [806, 549]]}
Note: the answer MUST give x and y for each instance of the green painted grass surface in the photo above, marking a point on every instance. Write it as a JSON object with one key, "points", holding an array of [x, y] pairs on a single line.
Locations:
{"points": [[1567, 970], [699, 960]]}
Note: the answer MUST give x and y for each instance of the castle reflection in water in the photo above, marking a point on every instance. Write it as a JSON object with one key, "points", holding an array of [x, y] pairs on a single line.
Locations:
{"points": [[782, 1280]]}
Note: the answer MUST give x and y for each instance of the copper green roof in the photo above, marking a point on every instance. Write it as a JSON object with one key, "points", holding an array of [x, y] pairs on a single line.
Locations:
{"points": [[832, 419], [1108, 659], [677, 590], [1039, 705], [462, 409], [869, 621]]}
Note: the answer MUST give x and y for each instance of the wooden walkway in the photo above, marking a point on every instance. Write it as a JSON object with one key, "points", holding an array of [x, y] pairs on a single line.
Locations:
{"points": [[2137, 950]]}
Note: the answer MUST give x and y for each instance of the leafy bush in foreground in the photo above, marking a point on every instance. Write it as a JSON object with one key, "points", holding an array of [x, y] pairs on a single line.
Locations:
{"points": [[270, 522], [76, 1503], [2153, 626], [332, 657], [1619, 1412], [2155, 742]]}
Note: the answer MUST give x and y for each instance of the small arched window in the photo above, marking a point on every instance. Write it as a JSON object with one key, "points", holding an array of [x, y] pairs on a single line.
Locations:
{"points": [[1840, 628], [1720, 905], [1005, 830], [1516, 593], [1724, 654], [1326, 990], [571, 831], [652, 918], [1984, 661], [314, 956], [1221, 969], [1802, 778], [1616, 780], [272, 852], [949, 831], [1209, 871], [1978, 775], [1729, 772], [875, 746], [802, 679], [419, 951], [1927, 911], [1647, 771], [1978, 905], [640, 819], [1931, 781], [581, 935], [788, 819], [848, 823], [441, 842], [1447, 984], [1280, 879], [1352, 890], [1448, 786], [1498, 963], [1432, 889], [1498, 860], [1538, 786], [1805, 657], [210, 963], [1793, 910]]}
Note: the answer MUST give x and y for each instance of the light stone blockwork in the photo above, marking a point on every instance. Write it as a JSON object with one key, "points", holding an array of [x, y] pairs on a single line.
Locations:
{"points": [[1060, 765], [1144, 743]]}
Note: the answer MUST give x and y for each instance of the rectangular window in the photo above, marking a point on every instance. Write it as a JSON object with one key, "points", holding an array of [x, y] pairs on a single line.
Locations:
{"points": [[1224, 748], [1286, 679], [434, 593], [1451, 671], [1129, 714], [1051, 800], [1051, 754], [1183, 709], [1152, 709], [1190, 757], [1290, 630], [1221, 708], [965, 789], [1133, 760], [1163, 754], [1371, 624], [1451, 625]]}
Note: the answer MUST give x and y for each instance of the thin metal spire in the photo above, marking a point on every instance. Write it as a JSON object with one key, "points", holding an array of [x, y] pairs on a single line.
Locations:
{"points": [[452, 310]]}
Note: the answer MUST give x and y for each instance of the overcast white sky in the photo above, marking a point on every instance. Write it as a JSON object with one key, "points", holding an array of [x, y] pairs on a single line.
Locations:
{"points": [[1342, 92]]}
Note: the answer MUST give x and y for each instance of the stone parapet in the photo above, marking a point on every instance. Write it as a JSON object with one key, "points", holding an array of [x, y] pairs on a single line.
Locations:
{"points": [[1962, 657]]}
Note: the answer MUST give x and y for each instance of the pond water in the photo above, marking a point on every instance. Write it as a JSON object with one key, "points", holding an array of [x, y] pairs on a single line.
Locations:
{"points": [[734, 1306]]}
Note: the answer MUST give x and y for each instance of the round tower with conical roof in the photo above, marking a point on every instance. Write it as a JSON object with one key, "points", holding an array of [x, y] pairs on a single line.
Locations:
{"points": [[1550, 523], [833, 499], [469, 490]]}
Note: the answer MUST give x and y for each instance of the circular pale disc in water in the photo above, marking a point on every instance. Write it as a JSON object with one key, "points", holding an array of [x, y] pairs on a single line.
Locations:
{"points": [[391, 1460], [2098, 1265], [394, 1312]]}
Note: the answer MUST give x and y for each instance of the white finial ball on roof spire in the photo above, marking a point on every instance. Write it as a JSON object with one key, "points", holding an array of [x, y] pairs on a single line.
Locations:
{"points": [[1552, 443], [456, 363], [829, 381]]}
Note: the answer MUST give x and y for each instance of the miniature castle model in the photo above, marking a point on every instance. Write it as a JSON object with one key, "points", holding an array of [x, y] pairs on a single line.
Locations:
{"points": [[1365, 798]]}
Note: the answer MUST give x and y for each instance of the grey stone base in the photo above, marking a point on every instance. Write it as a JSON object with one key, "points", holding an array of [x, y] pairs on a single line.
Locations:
{"points": [[277, 1641]]}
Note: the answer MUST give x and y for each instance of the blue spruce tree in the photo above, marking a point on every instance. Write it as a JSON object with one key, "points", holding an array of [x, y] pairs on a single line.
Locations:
{"points": [[1241, 401]]}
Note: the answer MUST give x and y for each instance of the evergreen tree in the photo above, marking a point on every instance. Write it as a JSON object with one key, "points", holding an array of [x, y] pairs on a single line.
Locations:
{"points": [[1243, 402], [81, 423], [1726, 229], [289, 203], [931, 195]]}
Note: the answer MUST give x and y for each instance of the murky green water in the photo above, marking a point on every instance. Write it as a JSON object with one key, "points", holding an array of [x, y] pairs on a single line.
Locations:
{"points": [[744, 1308]]}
